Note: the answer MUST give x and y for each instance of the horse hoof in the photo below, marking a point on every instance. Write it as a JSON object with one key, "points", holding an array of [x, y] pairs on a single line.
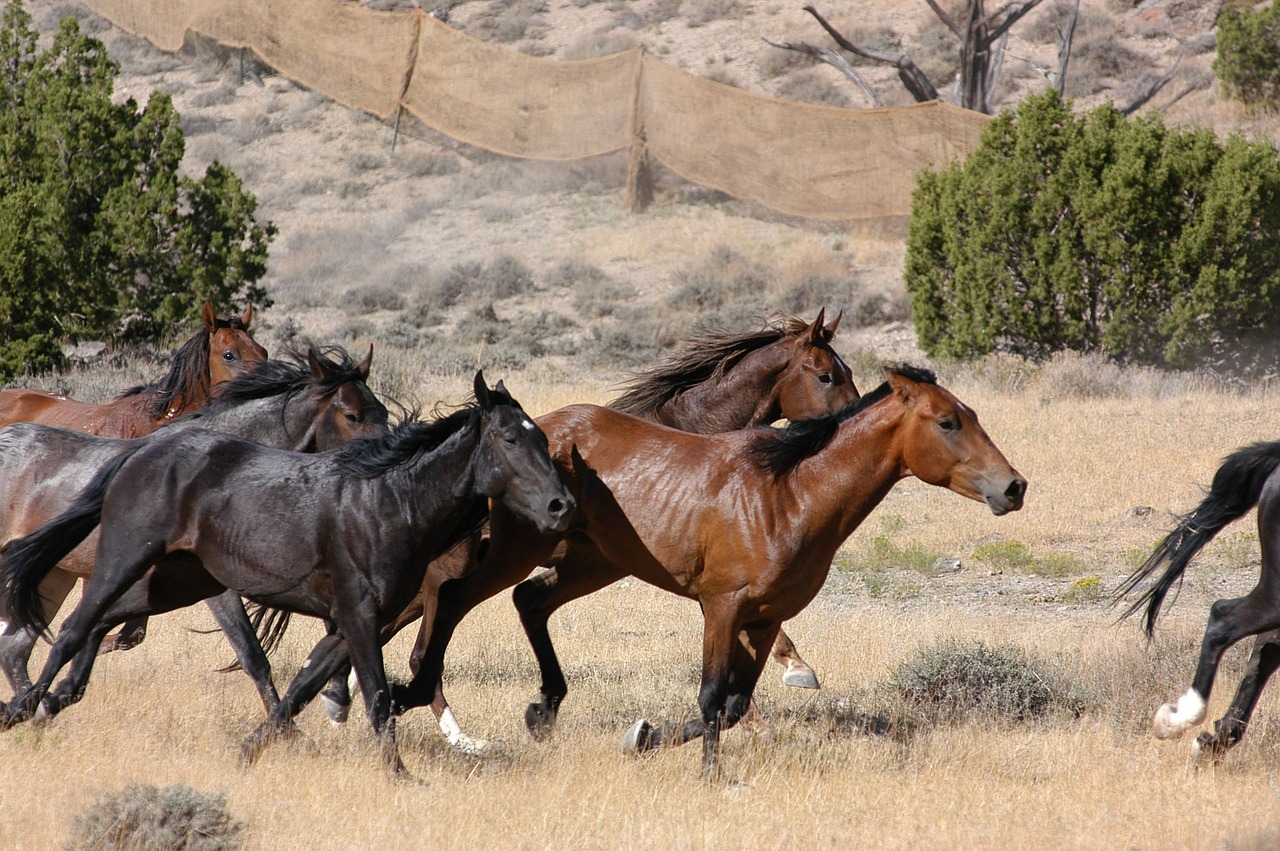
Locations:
{"points": [[1173, 720], [638, 738], [539, 720], [798, 677], [336, 711]]}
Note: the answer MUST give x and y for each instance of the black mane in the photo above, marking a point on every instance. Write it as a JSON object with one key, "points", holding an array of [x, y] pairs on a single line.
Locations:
{"points": [[701, 358], [371, 457], [786, 448]]}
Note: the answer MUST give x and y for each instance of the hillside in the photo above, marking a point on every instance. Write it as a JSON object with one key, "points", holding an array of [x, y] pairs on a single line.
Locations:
{"points": [[436, 245]]}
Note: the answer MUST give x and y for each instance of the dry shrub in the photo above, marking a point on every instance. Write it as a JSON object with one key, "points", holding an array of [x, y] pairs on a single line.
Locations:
{"points": [[146, 818], [507, 21], [953, 682], [1098, 56], [603, 43], [813, 87], [705, 11], [372, 298]]}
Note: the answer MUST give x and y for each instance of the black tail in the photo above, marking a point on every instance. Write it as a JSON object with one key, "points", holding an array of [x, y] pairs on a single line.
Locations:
{"points": [[25, 562], [1235, 490]]}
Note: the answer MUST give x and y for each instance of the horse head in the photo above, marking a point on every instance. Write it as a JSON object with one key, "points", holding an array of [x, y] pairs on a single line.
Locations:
{"points": [[512, 464], [815, 381], [943, 444], [231, 349], [349, 409]]}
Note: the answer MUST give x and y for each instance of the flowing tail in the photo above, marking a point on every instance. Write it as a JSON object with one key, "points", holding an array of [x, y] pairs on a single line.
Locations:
{"points": [[1236, 489], [25, 562]]}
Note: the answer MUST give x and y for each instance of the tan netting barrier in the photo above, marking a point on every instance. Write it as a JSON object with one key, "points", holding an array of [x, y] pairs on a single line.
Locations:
{"points": [[811, 161]]}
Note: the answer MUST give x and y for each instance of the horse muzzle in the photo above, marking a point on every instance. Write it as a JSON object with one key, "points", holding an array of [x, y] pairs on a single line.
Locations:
{"points": [[1010, 499]]}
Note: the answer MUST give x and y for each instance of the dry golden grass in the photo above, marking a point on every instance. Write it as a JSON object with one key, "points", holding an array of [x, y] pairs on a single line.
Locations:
{"points": [[160, 715]]}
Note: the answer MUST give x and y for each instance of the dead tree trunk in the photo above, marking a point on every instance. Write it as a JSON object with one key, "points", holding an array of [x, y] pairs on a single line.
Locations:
{"points": [[981, 38]]}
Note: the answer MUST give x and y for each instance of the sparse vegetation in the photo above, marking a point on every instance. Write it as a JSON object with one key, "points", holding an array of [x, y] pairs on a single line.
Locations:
{"points": [[147, 818], [955, 682]]}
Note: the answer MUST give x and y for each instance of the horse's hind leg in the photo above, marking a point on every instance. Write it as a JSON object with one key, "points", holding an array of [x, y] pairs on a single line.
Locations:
{"points": [[1264, 659], [797, 672], [582, 571], [16, 643], [328, 656], [1230, 621], [228, 611], [131, 634], [178, 582]]}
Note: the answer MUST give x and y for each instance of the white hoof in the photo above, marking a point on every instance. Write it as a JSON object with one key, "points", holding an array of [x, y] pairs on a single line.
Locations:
{"points": [[1173, 720], [1197, 752], [637, 738], [798, 677]]}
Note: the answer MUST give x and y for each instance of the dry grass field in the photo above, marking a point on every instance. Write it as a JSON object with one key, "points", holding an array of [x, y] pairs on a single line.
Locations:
{"points": [[444, 257]]}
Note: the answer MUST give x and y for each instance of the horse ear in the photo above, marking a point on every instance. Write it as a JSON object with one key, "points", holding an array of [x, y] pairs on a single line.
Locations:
{"points": [[901, 384], [816, 332], [208, 317], [482, 391], [247, 316], [833, 325], [363, 366], [318, 370]]}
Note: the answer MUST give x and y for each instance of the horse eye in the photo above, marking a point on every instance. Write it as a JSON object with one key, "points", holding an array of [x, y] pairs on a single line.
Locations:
{"points": [[824, 378], [352, 418], [228, 355], [948, 425]]}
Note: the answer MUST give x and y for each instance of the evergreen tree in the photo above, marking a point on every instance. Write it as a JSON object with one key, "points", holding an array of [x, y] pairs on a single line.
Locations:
{"points": [[100, 236]]}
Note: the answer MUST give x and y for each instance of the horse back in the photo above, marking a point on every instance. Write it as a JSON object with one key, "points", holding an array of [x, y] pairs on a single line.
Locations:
{"points": [[125, 417]]}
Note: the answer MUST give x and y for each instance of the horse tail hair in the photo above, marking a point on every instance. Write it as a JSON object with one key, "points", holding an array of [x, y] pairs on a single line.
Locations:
{"points": [[270, 625], [1236, 488], [25, 562]]}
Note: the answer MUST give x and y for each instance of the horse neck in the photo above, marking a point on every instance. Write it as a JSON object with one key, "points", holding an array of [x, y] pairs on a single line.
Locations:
{"points": [[837, 487], [441, 484], [283, 420], [744, 396]]}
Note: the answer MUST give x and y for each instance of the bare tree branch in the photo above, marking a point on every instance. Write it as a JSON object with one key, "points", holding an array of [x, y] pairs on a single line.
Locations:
{"points": [[1199, 84], [1154, 87], [997, 62], [832, 58], [921, 88], [1064, 47], [944, 17], [1013, 16]]}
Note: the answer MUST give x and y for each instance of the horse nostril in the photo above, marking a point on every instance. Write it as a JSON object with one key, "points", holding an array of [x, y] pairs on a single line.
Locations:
{"points": [[555, 508], [1017, 489]]}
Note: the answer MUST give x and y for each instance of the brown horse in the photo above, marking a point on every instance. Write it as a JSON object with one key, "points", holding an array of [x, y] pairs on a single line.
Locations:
{"points": [[218, 352], [716, 381], [722, 382], [746, 523]]}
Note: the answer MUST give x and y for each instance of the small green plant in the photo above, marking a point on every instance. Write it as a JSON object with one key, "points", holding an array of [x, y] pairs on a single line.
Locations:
{"points": [[1086, 589], [1004, 555], [147, 818], [1057, 565], [885, 554]]}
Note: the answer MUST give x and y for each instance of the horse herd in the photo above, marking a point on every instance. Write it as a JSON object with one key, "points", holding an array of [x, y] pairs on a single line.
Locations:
{"points": [[280, 483]]}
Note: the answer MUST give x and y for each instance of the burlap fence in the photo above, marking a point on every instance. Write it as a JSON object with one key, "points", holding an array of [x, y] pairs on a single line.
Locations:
{"points": [[811, 161]]}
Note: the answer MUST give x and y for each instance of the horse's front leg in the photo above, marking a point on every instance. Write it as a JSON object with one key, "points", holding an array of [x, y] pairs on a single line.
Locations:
{"points": [[580, 572], [17, 642]]}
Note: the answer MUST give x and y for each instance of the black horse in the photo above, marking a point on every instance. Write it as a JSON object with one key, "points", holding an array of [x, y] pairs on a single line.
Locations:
{"points": [[1248, 477], [344, 536]]}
